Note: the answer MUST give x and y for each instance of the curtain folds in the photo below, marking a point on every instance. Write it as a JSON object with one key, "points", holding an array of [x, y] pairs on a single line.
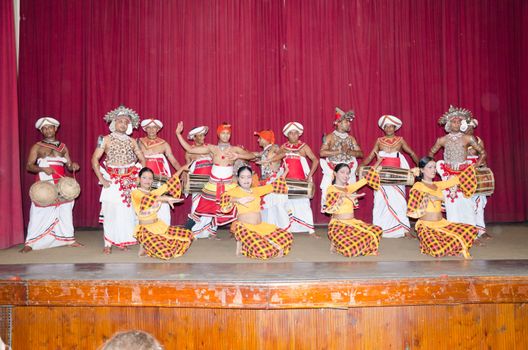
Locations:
{"points": [[260, 64], [11, 213]]}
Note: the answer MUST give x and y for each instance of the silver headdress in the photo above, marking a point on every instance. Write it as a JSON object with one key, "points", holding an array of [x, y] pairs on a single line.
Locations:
{"points": [[340, 115], [453, 111], [122, 110]]}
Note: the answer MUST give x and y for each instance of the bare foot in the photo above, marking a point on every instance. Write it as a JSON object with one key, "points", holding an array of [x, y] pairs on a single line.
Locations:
{"points": [[409, 235], [486, 236], [332, 249], [107, 250], [142, 252], [76, 244], [26, 249], [479, 242], [124, 249], [314, 235]]}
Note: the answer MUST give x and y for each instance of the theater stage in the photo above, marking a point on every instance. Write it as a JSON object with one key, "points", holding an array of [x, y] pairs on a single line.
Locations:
{"points": [[329, 302]]}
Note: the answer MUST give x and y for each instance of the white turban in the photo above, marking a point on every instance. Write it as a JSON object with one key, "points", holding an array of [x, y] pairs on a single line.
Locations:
{"points": [[293, 126], [196, 131], [46, 121], [389, 120], [147, 122]]}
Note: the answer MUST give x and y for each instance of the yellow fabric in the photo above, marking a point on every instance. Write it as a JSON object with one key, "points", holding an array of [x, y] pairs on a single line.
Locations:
{"points": [[352, 222], [210, 188], [435, 206], [346, 205], [255, 192], [159, 227]]}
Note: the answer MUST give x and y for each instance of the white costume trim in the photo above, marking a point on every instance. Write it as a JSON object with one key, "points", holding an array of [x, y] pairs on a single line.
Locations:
{"points": [[50, 226], [390, 205], [119, 220]]}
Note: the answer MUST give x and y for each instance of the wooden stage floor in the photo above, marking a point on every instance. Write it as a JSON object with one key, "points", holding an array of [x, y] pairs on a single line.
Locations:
{"points": [[405, 304]]}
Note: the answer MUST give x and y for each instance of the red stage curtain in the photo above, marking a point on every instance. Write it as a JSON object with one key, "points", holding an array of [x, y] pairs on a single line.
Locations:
{"points": [[260, 64], [11, 213]]}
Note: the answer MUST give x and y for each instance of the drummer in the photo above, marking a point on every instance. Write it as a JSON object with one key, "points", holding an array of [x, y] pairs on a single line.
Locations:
{"points": [[158, 155], [50, 226], [390, 204], [295, 155]]}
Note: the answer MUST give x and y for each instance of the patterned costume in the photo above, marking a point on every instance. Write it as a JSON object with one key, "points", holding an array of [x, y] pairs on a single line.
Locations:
{"points": [[259, 241], [157, 238], [51, 226], [274, 208], [203, 224], [117, 214], [442, 237], [221, 180], [159, 164], [327, 165], [300, 209], [351, 237], [390, 204]]}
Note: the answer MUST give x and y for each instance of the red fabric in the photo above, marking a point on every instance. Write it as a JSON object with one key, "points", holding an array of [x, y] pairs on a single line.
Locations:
{"points": [[392, 161], [261, 64], [11, 212]]}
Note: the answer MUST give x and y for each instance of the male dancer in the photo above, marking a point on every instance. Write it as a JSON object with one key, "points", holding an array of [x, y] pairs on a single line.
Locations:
{"points": [[158, 154], [50, 226], [118, 177], [338, 147], [390, 204]]}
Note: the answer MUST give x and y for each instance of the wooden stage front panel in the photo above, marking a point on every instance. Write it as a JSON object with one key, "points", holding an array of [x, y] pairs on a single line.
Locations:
{"points": [[451, 305]]}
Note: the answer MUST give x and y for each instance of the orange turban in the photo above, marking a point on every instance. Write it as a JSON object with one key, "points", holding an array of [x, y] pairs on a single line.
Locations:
{"points": [[223, 127], [267, 135]]}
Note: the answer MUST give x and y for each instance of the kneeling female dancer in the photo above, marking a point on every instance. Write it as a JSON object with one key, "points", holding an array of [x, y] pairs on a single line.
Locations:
{"points": [[157, 239], [255, 239], [439, 237], [349, 236]]}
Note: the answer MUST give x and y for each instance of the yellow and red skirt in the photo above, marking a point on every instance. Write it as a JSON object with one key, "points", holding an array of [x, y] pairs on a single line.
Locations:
{"points": [[174, 242], [262, 241], [444, 238], [354, 237]]}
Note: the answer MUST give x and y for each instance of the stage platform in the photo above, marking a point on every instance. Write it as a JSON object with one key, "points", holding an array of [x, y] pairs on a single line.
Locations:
{"points": [[429, 304]]}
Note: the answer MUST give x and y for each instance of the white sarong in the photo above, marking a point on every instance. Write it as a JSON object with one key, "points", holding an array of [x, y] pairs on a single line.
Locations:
{"points": [[119, 219], [390, 205], [299, 209], [274, 209], [50, 226]]}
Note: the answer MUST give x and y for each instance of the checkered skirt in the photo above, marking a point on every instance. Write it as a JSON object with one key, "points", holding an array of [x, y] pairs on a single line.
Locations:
{"points": [[257, 246], [173, 243], [449, 240], [354, 239]]}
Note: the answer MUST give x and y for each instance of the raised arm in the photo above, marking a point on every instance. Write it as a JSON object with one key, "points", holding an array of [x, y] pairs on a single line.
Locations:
{"points": [[205, 149], [243, 154]]}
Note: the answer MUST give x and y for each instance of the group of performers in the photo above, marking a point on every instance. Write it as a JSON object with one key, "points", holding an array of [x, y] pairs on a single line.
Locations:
{"points": [[260, 210]]}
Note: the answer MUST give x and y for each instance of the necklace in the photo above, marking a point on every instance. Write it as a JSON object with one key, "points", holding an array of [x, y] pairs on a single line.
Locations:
{"points": [[54, 142], [224, 146], [120, 136], [341, 135], [427, 182]]}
